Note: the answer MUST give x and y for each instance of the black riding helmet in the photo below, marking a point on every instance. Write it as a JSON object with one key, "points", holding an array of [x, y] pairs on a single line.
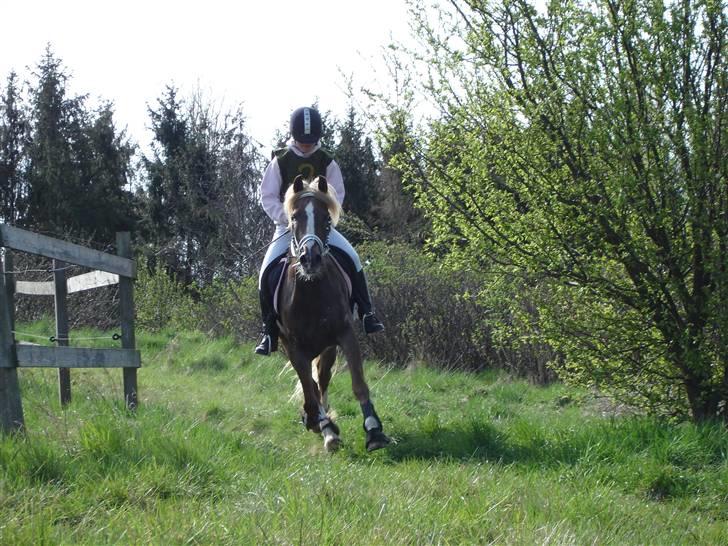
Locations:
{"points": [[306, 125]]}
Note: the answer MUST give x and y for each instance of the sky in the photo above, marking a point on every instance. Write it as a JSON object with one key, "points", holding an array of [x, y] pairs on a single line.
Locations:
{"points": [[269, 56]]}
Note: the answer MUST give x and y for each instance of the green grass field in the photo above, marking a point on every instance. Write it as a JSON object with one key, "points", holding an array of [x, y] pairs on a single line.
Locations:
{"points": [[216, 455]]}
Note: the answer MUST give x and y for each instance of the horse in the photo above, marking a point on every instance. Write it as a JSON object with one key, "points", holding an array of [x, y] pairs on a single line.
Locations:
{"points": [[314, 312]]}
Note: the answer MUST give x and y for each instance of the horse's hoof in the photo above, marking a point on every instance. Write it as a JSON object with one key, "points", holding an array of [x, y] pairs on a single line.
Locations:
{"points": [[332, 443], [376, 439]]}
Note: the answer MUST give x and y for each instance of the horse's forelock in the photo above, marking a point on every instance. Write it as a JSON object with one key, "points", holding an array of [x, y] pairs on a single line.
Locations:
{"points": [[329, 198]]}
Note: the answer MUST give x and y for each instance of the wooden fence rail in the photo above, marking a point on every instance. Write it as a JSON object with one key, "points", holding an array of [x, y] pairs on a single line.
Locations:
{"points": [[109, 269]]}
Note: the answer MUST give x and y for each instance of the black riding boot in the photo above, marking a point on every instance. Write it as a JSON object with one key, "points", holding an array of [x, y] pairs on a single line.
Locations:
{"points": [[269, 343], [360, 294]]}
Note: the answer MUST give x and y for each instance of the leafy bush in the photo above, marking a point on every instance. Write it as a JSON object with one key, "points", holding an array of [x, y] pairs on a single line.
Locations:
{"points": [[160, 300], [433, 314], [430, 312], [355, 229], [230, 308]]}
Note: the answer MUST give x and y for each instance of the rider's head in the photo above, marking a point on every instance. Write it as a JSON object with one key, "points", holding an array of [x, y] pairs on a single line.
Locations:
{"points": [[306, 125]]}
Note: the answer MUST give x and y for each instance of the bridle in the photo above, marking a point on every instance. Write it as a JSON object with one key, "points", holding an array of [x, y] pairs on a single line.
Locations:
{"points": [[298, 245]]}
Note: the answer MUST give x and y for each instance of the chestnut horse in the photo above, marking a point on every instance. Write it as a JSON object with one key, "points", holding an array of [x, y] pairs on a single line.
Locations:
{"points": [[315, 313]]}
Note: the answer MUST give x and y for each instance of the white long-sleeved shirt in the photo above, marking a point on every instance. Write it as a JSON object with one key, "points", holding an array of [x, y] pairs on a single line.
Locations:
{"points": [[270, 186]]}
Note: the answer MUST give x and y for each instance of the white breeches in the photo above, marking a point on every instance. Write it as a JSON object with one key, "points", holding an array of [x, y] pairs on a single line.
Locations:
{"points": [[282, 240]]}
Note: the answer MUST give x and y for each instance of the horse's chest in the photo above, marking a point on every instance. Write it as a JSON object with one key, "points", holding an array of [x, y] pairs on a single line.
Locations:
{"points": [[313, 327], [319, 318]]}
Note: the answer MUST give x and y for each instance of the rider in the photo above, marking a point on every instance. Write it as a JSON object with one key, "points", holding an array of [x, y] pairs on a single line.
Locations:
{"points": [[303, 155]]}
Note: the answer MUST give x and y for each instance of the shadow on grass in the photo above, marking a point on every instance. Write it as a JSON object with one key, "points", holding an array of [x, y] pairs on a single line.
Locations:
{"points": [[484, 442]]}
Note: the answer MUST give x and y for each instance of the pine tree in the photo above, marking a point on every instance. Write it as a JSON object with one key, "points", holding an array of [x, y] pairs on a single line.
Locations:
{"points": [[78, 164], [355, 155], [51, 173], [394, 212], [13, 135], [202, 213], [106, 178], [165, 227]]}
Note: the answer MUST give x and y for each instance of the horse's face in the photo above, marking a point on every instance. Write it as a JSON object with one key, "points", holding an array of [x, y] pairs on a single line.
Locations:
{"points": [[310, 227]]}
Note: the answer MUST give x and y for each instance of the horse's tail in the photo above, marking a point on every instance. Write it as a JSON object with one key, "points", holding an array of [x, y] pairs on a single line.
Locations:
{"points": [[297, 394]]}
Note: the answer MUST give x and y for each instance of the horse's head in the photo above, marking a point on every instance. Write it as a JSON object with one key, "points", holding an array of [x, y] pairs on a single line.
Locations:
{"points": [[313, 209]]}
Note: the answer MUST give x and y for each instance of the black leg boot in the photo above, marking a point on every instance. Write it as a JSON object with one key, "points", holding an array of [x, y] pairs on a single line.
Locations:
{"points": [[269, 343], [360, 294]]}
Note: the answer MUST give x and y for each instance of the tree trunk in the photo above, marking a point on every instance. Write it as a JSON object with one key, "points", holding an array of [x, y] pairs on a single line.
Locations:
{"points": [[704, 397]]}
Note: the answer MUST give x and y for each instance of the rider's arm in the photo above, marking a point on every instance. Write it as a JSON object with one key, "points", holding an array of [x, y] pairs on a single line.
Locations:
{"points": [[270, 189], [334, 177]]}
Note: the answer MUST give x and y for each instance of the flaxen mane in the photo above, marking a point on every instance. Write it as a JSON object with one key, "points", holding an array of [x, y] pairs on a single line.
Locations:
{"points": [[330, 199]]}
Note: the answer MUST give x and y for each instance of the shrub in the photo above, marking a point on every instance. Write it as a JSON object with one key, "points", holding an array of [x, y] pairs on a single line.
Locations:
{"points": [[160, 300], [430, 312], [433, 314], [230, 308]]}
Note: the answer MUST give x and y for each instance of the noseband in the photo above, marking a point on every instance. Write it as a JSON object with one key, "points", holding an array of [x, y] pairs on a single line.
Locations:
{"points": [[297, 246]]}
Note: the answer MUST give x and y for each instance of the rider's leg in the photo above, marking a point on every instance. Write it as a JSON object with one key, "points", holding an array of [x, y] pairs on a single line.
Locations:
{"points": [[278, 248], [359, 289], [269, 342]]}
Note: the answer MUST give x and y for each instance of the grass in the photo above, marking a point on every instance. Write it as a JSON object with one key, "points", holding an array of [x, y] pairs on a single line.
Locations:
{"points": [[216, 455]]}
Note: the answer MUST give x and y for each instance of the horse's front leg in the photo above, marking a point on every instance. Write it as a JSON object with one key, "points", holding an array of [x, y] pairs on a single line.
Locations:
{"points": [[324, 363], [311, 405], [315, 418], [376, 439]]}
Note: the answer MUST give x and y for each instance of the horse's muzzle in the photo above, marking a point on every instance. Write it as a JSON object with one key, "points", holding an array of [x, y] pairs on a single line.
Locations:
{"points": [[311, 259]]}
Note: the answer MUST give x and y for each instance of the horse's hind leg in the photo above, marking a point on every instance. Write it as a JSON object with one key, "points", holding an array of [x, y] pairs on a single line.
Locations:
{"points": [[376, 439]]}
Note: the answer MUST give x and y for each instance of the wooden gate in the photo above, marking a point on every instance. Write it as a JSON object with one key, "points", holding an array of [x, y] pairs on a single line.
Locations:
{"points": [[109, 269]]}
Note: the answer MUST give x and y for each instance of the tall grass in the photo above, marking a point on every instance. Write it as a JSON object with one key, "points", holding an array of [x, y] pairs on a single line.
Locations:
{"points": [[215, 454]]}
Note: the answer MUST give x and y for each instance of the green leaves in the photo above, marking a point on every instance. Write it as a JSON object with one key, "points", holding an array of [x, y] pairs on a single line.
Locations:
{"points": [[578, 151]]}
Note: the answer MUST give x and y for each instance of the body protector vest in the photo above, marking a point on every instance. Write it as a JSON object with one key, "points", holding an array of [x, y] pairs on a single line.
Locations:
{"points": [[291, 165]]}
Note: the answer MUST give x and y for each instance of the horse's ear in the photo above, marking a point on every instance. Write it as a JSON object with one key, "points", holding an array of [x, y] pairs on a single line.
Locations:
{"points": [[323, 185], [298, 183]]}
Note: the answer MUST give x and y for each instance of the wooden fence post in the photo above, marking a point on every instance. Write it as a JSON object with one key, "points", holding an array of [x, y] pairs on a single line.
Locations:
{"points": [[61, 293], [11, 408], [126, 305]]}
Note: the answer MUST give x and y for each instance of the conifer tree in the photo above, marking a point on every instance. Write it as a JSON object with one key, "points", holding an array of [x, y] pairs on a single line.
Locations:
{"points": [[201, 206], [355, 155], [78, 163], [394, 212], [13, 135]]}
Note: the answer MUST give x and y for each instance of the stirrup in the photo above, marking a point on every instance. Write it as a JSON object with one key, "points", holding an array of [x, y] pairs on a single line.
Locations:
{"points": [[372, 324], [266, 346]]}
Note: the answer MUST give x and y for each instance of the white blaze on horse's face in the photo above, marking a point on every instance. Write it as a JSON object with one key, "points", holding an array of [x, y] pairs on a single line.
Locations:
{"points": [[310, 226], [308, 246], [310, 222]]}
